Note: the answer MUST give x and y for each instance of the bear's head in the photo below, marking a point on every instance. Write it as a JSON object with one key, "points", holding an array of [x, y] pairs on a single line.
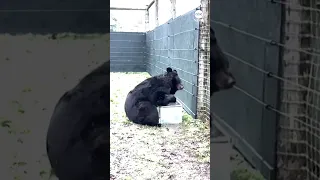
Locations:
{"points": [[175, 79], [221, 78]]}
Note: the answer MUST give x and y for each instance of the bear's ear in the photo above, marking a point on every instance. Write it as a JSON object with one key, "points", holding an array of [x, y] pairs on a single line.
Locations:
{"points": [[175, 71], [169, 69]]}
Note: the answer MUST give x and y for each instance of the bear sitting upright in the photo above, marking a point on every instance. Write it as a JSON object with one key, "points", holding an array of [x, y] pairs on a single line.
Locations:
{"points": [[141, 102]]}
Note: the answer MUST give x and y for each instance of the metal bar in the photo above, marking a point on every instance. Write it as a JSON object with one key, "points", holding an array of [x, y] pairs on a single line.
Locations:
{"points": [[173, 9], [147, 20], [151, 3], [157, 12], [137, 9]]}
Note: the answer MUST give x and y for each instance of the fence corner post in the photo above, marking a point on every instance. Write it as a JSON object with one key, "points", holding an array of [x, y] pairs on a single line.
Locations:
{"points": [[173, 9], [147, 20], [203, 100], [156, 3]]}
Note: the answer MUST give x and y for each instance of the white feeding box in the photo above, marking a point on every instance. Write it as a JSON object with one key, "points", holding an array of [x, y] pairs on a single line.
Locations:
{"points": [[171, 114]]}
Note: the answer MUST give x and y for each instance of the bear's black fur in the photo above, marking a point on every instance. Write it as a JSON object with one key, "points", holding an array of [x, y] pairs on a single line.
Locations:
{"points": [[78, 134], [221, 77], [141, 102]]}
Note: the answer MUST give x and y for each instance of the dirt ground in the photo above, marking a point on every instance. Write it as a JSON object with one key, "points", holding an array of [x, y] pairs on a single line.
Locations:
{"points": [[142, 152]]}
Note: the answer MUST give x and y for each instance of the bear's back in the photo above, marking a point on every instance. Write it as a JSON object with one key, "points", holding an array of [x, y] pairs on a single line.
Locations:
{"points": [[78, 107]]}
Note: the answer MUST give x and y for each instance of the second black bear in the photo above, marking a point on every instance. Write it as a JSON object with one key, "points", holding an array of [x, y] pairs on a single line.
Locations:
{"points": [[141, 102], [221, 78]]}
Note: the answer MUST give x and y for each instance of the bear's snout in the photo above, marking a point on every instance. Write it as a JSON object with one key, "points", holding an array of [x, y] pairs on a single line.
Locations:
{"points": [[231, 82], [180, 87]]}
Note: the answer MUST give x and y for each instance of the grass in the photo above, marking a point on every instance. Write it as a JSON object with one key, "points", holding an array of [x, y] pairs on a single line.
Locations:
{"points": [[170, 152], [242, 170], [246, 174]]}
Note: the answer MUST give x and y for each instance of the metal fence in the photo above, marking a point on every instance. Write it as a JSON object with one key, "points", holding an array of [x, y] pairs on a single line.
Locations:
{"points": [[175, 44], [273, 112], [182, 43], [127, 52], [246, 112], [203, 100]]}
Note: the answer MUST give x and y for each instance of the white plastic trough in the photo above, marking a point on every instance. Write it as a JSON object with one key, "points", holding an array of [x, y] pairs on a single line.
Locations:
{"points": [[171, 114]]}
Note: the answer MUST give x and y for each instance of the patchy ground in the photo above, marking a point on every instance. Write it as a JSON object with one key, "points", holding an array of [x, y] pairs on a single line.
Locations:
{"points": [[34, 72], [141, 152]]}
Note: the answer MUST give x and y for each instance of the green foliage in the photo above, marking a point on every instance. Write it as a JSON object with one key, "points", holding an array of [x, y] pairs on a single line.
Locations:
{"points": [[186, 118], [245, 174]]}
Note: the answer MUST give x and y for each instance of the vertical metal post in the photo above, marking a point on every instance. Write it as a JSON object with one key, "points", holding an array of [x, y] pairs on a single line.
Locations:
{"points": [[156, 3], [203, 100], [147, 20], [290, 94], [173, 9]]}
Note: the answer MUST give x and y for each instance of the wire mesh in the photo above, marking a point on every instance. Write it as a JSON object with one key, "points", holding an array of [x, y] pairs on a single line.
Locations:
{"points": [[298, 128], [203, 101], [299, 147]]}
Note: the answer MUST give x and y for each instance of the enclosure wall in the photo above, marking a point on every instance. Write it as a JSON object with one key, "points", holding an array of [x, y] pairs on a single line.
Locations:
{"points": [[54, 16], [175, 44], [127, 52], [246, 38]]}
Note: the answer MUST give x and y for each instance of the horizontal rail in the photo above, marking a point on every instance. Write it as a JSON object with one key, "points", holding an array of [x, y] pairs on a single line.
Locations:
{"points": [[136, 9]]}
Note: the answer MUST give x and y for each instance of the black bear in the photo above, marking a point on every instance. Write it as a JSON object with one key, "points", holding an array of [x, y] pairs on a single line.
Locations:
{"points": [[141, 102], [221, 78], [78, 134]]}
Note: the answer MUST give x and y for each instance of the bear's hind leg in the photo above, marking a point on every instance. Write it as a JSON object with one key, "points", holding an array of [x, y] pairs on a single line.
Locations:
{"points": [[148, 114]]}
